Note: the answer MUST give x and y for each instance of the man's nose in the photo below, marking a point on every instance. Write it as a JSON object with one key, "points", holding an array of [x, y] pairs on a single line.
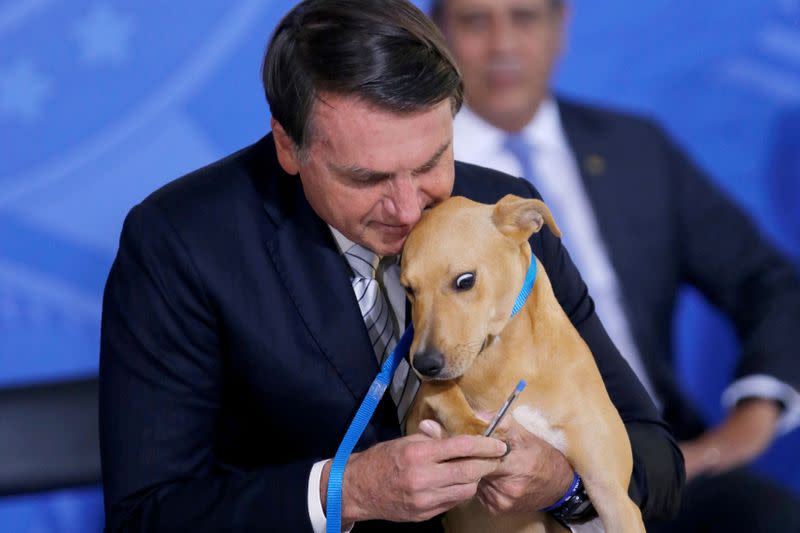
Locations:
{"points": [[428, 363], [501, 35], [404, 201]]}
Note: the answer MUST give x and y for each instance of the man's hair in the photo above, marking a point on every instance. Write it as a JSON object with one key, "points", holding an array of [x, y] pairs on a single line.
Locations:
{"points": [[385, 52], [435, 8]]}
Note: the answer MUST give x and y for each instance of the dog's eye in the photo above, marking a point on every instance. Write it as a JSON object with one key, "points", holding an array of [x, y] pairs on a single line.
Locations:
{"points": [[465, 281]]}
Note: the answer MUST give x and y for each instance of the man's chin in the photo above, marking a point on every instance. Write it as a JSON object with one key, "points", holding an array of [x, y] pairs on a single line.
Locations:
{"points": [[389, 244], [389, 240], [392, 248]]}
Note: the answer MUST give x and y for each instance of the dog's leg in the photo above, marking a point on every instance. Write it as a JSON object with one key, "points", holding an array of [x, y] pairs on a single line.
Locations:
{"points": [[419, 410], [445, 402], [606, 475], [616, 510]]}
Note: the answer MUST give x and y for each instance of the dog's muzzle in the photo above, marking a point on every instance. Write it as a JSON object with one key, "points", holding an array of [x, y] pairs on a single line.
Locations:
{"points": [[429, 363]]}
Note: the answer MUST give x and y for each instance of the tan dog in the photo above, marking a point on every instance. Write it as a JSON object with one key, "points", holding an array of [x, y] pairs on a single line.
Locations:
{"points": [[463, 266]]}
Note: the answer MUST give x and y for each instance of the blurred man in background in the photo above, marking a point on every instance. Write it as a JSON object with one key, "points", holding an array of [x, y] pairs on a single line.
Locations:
{"points": [[640, 220]]}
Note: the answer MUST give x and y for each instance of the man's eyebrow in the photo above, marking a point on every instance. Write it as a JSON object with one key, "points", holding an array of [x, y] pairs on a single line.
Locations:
{"points": [[430, 163], [362, 174], [368, 175]]}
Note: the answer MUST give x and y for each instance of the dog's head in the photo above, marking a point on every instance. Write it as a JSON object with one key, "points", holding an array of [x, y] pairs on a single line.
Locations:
{"points": [[462, 267]]}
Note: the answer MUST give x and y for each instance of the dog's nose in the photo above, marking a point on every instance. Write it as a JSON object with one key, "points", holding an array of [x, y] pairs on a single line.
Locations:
{"points": [[429, 363]]}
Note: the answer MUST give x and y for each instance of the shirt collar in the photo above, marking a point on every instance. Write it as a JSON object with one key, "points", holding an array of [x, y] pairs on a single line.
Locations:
{"points": [[477, 140], [545, 130], [477, 136], [342, 242], [345, 244]]}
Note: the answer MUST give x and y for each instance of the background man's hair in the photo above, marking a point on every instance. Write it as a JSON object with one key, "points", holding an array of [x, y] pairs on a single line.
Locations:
{"points": [[435, 8], [386, 52]]}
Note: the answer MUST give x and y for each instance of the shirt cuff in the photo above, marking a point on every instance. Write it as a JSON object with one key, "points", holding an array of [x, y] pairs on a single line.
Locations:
{"points": [[315, 511], [595, 525], [768, 387]]}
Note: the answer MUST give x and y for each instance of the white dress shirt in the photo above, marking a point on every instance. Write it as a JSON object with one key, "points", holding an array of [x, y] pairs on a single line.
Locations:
{"points": [[558, 180]]}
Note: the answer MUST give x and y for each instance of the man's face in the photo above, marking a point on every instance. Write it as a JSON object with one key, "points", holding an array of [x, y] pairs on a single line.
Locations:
{"points": [[370, 173], [506, 50]]}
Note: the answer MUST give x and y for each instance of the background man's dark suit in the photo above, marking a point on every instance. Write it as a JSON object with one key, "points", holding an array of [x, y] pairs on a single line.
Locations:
{"points": [[233, 354], [665, 225]]}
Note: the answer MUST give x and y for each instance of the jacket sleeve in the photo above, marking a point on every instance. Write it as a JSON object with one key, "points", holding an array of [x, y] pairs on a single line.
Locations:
{"points": [[161, 367], [658, 470], [732, 263]]}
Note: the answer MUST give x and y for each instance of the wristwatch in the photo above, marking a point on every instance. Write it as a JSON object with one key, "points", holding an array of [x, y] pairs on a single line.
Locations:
{"points": [[574, 506]]}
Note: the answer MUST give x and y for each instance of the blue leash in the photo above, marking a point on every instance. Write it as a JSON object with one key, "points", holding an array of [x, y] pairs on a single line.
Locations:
{"points": [[333, 509], [527, 286]]}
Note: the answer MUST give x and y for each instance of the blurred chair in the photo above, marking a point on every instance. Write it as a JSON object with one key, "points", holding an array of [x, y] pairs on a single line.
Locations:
{"points": [[49, 436]]}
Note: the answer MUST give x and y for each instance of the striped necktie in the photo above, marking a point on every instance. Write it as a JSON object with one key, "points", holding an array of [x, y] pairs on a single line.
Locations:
{"points": [[375, 310], [380, 320]]}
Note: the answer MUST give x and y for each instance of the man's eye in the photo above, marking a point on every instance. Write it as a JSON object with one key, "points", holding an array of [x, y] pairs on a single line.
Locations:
{"points": [[527, 17], [465, 281], [474, 21]]}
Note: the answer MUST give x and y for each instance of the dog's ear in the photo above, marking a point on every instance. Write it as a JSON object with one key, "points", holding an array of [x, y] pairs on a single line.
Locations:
{"points": [[519, 218]]}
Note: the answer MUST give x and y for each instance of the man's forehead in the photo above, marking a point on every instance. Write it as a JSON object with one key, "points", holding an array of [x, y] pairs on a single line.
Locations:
{"points": [[330, 107], [465, 5], [416, 162], [338, 122]]}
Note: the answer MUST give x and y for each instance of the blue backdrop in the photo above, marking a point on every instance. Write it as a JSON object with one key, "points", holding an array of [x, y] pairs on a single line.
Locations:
{"points": [[103, 101]]}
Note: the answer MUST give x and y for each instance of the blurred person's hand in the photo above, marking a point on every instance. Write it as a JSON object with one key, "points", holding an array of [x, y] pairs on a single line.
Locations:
{"points": [[741, 437]]}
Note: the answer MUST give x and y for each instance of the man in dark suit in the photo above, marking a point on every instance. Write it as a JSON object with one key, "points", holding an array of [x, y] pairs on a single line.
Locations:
{"points": [[640, 220], [234, 351]]}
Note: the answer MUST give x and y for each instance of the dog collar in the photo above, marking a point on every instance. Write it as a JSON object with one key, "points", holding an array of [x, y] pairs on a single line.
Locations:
{"points": [[527, 286]]}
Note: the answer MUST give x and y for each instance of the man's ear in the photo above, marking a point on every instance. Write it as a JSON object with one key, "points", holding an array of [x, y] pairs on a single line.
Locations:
{"points": [[519, 218], [287, 150]]}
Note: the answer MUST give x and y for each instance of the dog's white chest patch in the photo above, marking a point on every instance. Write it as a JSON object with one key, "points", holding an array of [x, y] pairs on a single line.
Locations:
{"points": [[535, 422]]}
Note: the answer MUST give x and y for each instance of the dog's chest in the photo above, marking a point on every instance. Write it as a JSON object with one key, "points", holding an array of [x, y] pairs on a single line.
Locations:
{"points": [[536, 422]]}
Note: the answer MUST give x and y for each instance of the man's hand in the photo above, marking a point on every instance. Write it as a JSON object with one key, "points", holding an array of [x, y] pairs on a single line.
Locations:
{"points": [[531, 477], [413, 478], [740, 438]]}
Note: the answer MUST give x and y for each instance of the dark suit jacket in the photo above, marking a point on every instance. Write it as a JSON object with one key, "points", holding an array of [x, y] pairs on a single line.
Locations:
{"points": [[782, 180], [233, 355], [666, 225]]}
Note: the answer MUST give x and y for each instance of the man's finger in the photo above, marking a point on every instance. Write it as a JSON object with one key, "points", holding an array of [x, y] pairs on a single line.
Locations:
{"points": [[432, 429], [467, 446], [449, 497], [461, 471]]}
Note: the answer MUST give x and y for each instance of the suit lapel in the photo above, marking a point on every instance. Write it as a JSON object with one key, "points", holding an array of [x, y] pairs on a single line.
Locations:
{"points": [[598, 162], [317, 278], [601, 166]]}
